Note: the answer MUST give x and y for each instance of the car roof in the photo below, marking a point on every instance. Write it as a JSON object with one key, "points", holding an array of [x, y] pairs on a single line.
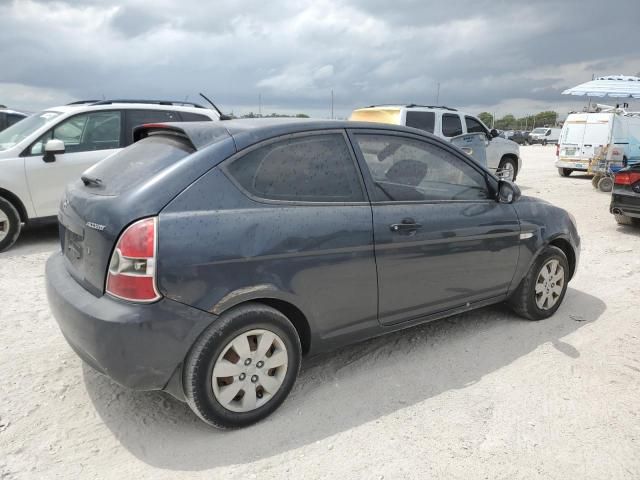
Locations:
{"points": [[246, 132], [411, 106]]}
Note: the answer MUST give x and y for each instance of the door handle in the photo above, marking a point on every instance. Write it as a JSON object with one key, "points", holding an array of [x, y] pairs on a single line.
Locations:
{"points": [[407, 225]]}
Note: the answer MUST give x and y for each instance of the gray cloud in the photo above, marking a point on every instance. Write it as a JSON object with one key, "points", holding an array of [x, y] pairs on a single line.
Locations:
{"points": [[485, 54]]}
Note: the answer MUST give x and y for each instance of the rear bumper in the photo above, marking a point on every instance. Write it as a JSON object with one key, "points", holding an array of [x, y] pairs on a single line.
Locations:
{"points": [[581, 165], [625, 204], [138, 346]]}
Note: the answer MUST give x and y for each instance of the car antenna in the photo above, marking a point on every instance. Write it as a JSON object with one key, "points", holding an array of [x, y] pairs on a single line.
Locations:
{"points": [[222, 115]]}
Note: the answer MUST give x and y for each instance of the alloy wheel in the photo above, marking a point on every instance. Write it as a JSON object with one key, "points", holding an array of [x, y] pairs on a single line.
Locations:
{"points": [[549, 284]]}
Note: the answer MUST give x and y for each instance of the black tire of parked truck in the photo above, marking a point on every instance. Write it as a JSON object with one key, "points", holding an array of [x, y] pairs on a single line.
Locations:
{"points": [[565, 172], [10, 224]]}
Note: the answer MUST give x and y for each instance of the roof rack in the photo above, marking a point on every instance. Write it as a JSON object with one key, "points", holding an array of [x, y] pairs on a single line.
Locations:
{"points": [[443, 107], [152, 102], [82, 102], [411, 105]]}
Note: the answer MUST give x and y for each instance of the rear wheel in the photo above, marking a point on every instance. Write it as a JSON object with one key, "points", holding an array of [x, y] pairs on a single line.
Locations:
{"points": [[605, 184], [565, 172], [595, 180], [242, 367], [542, 290], [10, 224]]}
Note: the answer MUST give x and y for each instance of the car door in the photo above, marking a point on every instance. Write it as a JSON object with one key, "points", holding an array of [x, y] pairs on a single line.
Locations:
{"points": [[441, 239], [88, 137]]}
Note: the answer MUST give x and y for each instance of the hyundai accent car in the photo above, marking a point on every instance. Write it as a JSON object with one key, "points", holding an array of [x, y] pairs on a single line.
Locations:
{"points": [[208, 258]]}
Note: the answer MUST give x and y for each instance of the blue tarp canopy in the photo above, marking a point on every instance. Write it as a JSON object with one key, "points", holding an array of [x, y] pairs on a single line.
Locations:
{"points": [[617, 86]]}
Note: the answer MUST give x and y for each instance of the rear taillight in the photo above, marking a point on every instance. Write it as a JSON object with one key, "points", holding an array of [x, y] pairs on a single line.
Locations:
{"points": [[557, 149], [132, 269], [626, 178]]}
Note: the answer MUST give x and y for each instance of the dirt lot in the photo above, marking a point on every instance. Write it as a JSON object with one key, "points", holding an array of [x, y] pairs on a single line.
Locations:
{"points": [[481, 395]]}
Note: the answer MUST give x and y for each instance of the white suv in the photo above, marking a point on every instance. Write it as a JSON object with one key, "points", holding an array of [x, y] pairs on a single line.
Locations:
{"points": [[503, 156], [42, 153]]}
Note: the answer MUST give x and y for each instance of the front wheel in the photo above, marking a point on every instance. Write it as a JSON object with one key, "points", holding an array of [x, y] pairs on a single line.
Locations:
{"points": [[10, 224], [542, 290], [507, 169], [564, 172], [242, 367]]}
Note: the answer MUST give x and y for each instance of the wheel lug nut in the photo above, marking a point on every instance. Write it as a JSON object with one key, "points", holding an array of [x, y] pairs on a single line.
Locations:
{"points": [[242, 376], [254, 378], [259, 394], [247, 361], [260, 364]]}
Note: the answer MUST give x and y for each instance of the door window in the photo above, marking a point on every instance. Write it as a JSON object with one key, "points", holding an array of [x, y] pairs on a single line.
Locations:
{"points": [[405, 169], [451, 125], [422, 120], [314, 168], [474, 125], [85, 132]]}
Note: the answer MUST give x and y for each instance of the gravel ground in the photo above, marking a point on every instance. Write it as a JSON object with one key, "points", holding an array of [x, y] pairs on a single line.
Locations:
{"points": [[480, 395]]}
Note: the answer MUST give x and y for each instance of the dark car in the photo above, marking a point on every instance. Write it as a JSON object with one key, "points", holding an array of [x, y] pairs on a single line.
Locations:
{"points": [[521, 138], [9, 117], [625, 196], [206, 259]]}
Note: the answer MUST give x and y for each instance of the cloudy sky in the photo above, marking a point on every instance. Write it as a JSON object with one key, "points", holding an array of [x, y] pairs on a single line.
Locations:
{"points": [[502, 56]]}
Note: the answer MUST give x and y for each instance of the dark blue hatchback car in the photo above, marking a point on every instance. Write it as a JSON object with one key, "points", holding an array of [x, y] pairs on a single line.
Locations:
{"points": [[207, 258]]}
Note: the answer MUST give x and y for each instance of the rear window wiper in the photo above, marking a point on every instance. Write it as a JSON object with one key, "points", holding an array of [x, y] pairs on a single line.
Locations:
{"points": [[88, 180]]}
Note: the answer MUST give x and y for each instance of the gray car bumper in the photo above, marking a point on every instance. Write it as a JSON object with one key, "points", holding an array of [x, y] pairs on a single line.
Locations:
{"points": [[138, 346]]}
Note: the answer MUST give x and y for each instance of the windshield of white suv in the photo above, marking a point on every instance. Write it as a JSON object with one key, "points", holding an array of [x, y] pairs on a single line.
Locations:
{"points": [[21, 130]]}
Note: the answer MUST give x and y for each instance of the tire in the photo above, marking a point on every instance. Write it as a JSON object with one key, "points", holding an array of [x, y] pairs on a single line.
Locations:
{"points": [[10, 224], [206, 399], [544, 143], [605, 184], [564, 172], [624, 220], [524, 300], [594, 180], [508, 162]]}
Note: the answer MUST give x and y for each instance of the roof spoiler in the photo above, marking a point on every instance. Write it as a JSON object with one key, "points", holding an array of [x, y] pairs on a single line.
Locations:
{"points": [[197, 134]]}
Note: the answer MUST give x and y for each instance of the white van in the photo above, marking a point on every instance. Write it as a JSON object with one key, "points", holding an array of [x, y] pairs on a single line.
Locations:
{"points": [[583, 133], [544, 135]]}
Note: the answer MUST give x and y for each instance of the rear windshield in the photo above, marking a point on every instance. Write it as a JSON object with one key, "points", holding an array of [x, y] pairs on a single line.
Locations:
{"points": [[573, 133], [136, 163]]}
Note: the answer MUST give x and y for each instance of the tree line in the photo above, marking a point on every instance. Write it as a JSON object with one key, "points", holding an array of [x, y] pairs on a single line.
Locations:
{"points": [[529, 122]]}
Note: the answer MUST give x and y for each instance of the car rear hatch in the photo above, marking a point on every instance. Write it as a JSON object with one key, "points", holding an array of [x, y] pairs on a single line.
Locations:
{"points": [[132, 184]]}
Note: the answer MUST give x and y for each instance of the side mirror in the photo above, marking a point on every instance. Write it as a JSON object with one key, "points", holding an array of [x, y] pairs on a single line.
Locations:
{"points": [[494, 133], [51, 149], [508, 192]]}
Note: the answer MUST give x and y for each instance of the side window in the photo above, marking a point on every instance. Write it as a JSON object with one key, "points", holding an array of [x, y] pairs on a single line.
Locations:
{"points": [[84, 133], [548, 133], [140, 117], [422, 120], [405, 169], [314, 168], [451, 125], [474, 126], [194, 117]]}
